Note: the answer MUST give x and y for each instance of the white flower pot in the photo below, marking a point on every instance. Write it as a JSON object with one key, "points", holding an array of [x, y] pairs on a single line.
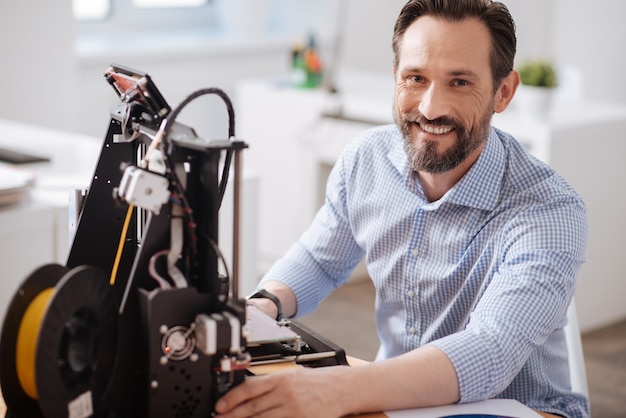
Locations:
{"points": [[534, 103]]}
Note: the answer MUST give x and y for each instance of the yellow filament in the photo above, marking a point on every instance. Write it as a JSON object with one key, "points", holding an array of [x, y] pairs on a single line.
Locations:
{"points": [[27, 338], [120, 246]]}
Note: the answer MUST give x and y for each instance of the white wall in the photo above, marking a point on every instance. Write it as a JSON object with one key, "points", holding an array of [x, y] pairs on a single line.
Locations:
{"points": [[177, 75], [367, 34], [38, 74], [590, 36], [533, 23]]}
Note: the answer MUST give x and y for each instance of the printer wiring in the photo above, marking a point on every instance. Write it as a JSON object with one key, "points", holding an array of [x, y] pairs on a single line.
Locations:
{"points": [[178, 198]]}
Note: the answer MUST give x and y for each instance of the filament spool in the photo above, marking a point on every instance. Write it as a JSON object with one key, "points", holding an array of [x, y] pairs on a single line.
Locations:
{"points": [[27, 336], [14, 395], [58, 341]]}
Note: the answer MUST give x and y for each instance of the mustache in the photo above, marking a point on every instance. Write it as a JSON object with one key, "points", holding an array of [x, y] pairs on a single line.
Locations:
{"points": [[419, 118]]}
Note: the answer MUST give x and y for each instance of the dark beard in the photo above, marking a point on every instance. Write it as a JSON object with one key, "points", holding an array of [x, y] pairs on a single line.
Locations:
{"points": [[426, 158]]}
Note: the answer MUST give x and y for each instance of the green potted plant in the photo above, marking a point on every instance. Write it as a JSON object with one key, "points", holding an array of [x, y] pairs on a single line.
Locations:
{"points": [[538, 74], [534, 96]]}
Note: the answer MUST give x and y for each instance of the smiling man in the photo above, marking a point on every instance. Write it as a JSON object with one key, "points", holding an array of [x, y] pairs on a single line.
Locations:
{"points": [[473, 245]]}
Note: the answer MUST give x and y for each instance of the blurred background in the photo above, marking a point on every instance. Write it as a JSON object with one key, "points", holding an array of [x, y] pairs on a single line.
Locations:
{"points": [[54, 53]]}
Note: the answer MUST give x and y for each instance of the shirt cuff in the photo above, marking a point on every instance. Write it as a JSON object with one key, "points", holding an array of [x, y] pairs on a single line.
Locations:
{"points": [[474, 359]]}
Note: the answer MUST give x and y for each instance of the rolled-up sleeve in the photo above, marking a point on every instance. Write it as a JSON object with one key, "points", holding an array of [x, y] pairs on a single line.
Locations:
{"points": [[525, 301]]}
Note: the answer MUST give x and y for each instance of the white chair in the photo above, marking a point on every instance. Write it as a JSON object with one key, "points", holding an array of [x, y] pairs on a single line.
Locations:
{"points": [[578, 375]]}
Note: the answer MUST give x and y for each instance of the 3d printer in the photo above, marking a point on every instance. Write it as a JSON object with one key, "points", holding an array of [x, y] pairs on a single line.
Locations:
{"points": [[145, 318]]}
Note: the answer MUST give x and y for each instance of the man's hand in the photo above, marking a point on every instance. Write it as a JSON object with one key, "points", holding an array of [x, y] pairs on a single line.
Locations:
{"points": [[422, 377], [297, 392]]}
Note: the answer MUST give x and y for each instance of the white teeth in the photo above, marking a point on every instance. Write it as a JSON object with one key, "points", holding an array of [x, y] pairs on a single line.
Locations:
{"points": [[436, 130]]}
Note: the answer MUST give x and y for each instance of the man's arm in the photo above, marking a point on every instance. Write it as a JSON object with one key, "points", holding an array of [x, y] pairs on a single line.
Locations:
{"points": [[422, 377], [283, 293]]}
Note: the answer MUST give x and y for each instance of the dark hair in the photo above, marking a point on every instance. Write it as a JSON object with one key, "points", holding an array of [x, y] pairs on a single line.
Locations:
{"points": [[494, 15]]}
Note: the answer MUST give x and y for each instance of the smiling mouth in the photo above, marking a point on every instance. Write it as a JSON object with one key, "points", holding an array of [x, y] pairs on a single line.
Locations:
{"points": [[435, 129]]}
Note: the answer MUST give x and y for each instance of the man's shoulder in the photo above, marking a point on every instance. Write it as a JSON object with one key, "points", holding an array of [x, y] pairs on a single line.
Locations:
{"points": [[535, 178]]}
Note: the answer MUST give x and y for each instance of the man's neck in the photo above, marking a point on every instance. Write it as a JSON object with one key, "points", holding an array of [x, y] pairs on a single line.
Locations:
{"points": [[435, 185]]}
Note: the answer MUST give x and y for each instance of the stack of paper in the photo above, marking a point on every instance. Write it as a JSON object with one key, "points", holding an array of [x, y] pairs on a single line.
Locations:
{"points": [[15, 183]]}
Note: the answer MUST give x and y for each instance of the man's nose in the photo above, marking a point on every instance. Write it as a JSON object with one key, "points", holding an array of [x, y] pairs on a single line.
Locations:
{"points": [[434, 103]]}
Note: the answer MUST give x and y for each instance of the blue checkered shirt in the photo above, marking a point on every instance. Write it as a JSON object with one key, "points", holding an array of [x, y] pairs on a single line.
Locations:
{"points": [[485, 273]]}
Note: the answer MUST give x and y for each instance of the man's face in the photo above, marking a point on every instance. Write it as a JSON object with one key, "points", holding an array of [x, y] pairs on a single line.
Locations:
{"points": [[444, 91]]}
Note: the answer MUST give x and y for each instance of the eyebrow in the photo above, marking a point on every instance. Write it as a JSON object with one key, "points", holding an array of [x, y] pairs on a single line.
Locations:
{"points": [[465, 73], [454, 73]]}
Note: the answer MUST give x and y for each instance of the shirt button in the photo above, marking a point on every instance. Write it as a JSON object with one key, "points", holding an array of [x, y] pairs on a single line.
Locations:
{"points": [[415, 252], [412, 330], [410, 293]]}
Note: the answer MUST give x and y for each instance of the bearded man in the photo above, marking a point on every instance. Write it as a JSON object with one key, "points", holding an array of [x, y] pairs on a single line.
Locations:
{"points": [[472, 244]]}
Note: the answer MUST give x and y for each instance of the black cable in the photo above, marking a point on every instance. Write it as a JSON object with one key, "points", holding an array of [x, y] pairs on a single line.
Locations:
{"points": [[171, 171], [224, 180], [224, 289], [171, 117]]}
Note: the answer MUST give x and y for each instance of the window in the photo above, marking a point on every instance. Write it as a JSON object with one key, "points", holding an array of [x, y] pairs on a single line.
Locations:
{"points": [[100, 9], [141, 24], [107, 16], [146, 4], [91, 9]]}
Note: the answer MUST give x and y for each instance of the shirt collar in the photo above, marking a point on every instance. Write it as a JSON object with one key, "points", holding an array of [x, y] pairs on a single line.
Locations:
{"points": [[397, 156], [480, 187]]}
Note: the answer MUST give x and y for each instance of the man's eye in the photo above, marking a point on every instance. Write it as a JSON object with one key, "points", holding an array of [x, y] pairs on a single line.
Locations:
{"points": [[416, 79], [461, 83]]}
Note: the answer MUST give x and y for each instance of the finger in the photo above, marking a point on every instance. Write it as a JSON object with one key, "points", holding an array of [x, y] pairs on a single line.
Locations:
{"points": [[250, 389], [260, 407]]}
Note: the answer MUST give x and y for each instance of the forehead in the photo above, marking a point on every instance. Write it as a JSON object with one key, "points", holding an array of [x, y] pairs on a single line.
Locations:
{"points": [[438, 42]]}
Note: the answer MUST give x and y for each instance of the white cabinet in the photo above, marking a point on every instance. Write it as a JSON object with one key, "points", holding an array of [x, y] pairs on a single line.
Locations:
{"points": [[27, 238], [276, 123], [35, 231], [292, 147]]}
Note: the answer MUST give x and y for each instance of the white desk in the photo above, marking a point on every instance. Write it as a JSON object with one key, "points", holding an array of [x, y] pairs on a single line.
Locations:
{"points": [[292, 149], [35, 231]]}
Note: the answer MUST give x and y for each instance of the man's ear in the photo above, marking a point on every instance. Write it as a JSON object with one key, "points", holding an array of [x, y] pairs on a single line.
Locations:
{"points": [[506, 91]]}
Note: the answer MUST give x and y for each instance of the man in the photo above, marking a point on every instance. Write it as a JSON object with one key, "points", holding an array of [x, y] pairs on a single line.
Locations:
{"points": [[472, 244]]}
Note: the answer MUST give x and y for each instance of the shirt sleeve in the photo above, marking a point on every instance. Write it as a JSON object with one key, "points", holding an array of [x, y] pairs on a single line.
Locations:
{"points": [[325, 254], [526, 300]]}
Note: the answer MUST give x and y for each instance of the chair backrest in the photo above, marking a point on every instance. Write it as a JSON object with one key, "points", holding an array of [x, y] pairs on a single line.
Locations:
{"points": [[578, 375]]}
